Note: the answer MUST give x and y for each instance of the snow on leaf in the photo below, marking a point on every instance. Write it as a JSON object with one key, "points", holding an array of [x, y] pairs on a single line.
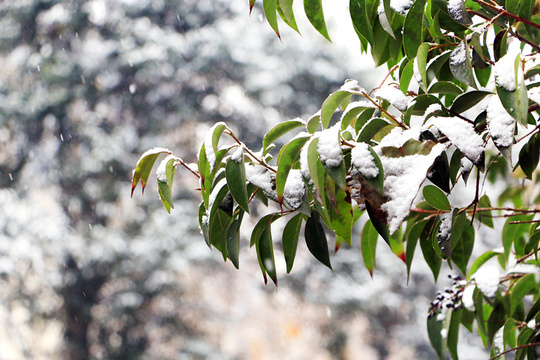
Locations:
{"points": [[262, 178], [403, 178], [505, 73], [462, 135], [329, 148], [401, 6], [455, 9], [501, 124], [294, 189], [363, 161], [467, 299], [394, 96], [211, 142], [487, 280]]}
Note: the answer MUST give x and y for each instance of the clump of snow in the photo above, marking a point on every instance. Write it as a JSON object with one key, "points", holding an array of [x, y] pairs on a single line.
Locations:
{"points": [[487, 280], [304, 167], [394, 96], [329, 148], [161, 171], [238, 154], [462, 135], [208, 146], [433, 108], [532, 324], [445, 231], [534, 94], [467, 297], [363, 161], [403, 178], [261, 177], [455, 9], [459, 55], [498, 341], [523, 269], [154, 151], [294, 189], [401, 6], [505, 73], [501, 124], [466, 165], [351, 85]]}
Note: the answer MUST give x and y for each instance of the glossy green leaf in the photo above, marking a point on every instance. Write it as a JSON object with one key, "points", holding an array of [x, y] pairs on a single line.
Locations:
{"points": [[330, 104], [453, 333], [445, 87], [530, 155], [485, 217], [363, 13], [278, 131], [263, 223], [218, 229], [205, 173], [203, 223], [315, 15], [341, 215], [270, 10], [496, 320], [421, 64], [467, 100], [378, 223], [166, 170], [352, 112], [316, 239], [291, 22], [371, 129], [525, 285], [144, 167], [287, 8], [288, 155], [411, 240], [406, 75], [433, 260], [511, 232], [235, 173], [368, 246], [436, 198], [314, 122], [291, 233], [436, 328], [265, 254], [233, 243], [462, 242], [413, 28]]}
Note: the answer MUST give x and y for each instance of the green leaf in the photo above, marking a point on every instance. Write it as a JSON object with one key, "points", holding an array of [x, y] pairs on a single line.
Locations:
{"points": [[314, 13], [341, 215], [265, 254], [453, 333], [216, 132], [165, 176], [433, 260], [279, 130], [436, 328], [529, 155], [421, 63], [287, 8], [511, 232], [218, 230], [496, 320], [288, 155], [235, 173], [524, 286], [205, 173], [411, 239], [144, 167], [290, 239], [378, 223], [485, 217], [368, 246], [316, 239], [406, 75], [371, 129], [467, 100], [203, 223], [461, 66], [462, 242], [261, 225], [330, 104], [413, 28], [481, 260], [363, 13], [314, 122], [233, 242], [436, 198], [446, 88], [270, 10]]}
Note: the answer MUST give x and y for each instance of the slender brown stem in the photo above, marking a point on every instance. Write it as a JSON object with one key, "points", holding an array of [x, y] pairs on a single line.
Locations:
{"points": [[514, 349], [187, 167], [260, 161], [507, 14], [399, 123], [386, 77]]}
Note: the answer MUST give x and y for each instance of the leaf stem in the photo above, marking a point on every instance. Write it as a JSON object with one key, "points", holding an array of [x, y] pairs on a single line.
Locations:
{"points": [[514, 349], [260, 161]]}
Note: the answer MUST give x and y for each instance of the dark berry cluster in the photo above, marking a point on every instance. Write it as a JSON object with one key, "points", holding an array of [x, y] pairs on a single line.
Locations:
{"points": [[448, 299]]}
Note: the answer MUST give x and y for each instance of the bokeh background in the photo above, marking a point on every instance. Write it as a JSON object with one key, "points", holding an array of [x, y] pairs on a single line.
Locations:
{"points": [[86, 272]]}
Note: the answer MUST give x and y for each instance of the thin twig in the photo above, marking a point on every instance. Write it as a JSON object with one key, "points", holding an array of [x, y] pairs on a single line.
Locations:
{"points": [[507, 14], [514, 349], [399, 123]]}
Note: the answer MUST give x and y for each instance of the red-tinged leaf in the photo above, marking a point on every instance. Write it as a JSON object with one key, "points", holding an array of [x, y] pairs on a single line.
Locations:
{"points": [[144, 167], [289, 154], [368, 246], [396, 244], [251, 4]]}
